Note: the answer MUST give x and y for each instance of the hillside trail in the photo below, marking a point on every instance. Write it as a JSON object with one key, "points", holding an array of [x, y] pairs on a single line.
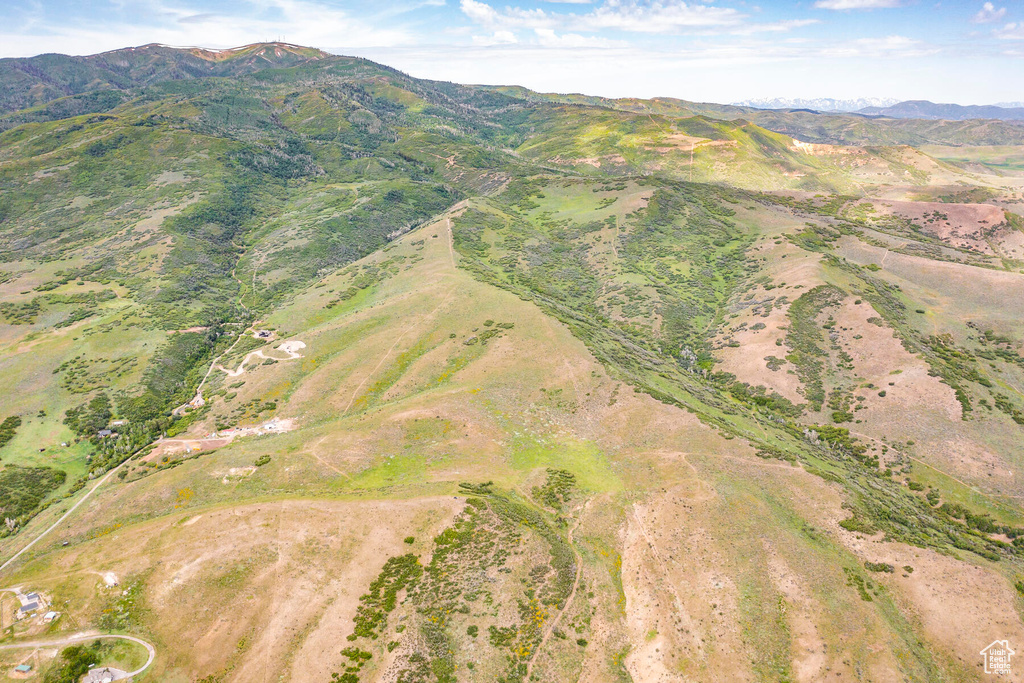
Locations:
{"points": [[572, 593], [209, 371], [666, 575], [970, 487], [451, 240], [215, 363], [198, 398], [408, 328], [65, 515], [313, 451]]}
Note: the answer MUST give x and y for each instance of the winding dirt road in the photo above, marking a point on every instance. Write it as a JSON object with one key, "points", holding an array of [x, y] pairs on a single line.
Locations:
{"points": [[290, 347]]}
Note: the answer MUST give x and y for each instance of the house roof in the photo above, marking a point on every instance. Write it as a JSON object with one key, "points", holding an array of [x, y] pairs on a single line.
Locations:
{"points": [[30, 607], [23, 668]]}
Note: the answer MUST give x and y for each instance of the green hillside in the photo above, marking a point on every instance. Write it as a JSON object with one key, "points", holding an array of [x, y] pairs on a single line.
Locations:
{"points": [[807, 125], [420, 381]]}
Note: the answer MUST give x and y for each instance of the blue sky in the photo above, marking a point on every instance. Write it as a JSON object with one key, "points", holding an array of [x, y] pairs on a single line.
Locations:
{"points": [[969, 52]]}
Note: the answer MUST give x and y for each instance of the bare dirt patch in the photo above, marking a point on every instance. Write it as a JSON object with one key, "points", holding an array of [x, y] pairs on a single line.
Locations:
{"points": [[880, 359], [188, 446], [170, 178], [990, 297], [968, 226], [940, 586], [255, 591], [816, 149], [751, 339]]}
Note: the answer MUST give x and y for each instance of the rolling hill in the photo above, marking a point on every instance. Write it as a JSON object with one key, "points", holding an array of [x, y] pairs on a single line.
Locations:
{"points": [[856, 128], [923, 109], [354, 376]]}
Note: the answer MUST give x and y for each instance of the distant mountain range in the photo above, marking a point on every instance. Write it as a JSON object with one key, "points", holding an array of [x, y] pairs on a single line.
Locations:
{"points": [[909, 109], [53, 87], [923, 109], [827, 104]]}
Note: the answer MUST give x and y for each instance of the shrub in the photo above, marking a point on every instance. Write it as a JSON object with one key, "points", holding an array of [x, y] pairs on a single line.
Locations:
{"points": [[74, 662], [8, 428]]}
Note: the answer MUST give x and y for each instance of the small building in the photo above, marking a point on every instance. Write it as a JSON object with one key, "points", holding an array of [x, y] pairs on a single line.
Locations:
{"points": [[263, 334], [50, 616], [28, 609], [23, 668], [105, 432]]}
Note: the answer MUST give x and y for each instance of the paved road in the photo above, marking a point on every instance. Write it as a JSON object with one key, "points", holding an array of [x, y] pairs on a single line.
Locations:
{"points": [[80, 637]]}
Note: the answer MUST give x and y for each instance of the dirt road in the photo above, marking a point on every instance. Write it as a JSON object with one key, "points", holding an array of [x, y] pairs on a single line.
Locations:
{"points": [[63, 517], [292, 348]]}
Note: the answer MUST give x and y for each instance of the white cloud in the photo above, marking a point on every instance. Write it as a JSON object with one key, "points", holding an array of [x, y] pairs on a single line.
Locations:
{"points": [[664, 16], [636, 16], [496, 38], [856, 4], [775, 27], [1011, 31], [548, 38], [173, 24], [988, 14], [479, 12], [485, 15], [888, 47], [713, 71]]}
